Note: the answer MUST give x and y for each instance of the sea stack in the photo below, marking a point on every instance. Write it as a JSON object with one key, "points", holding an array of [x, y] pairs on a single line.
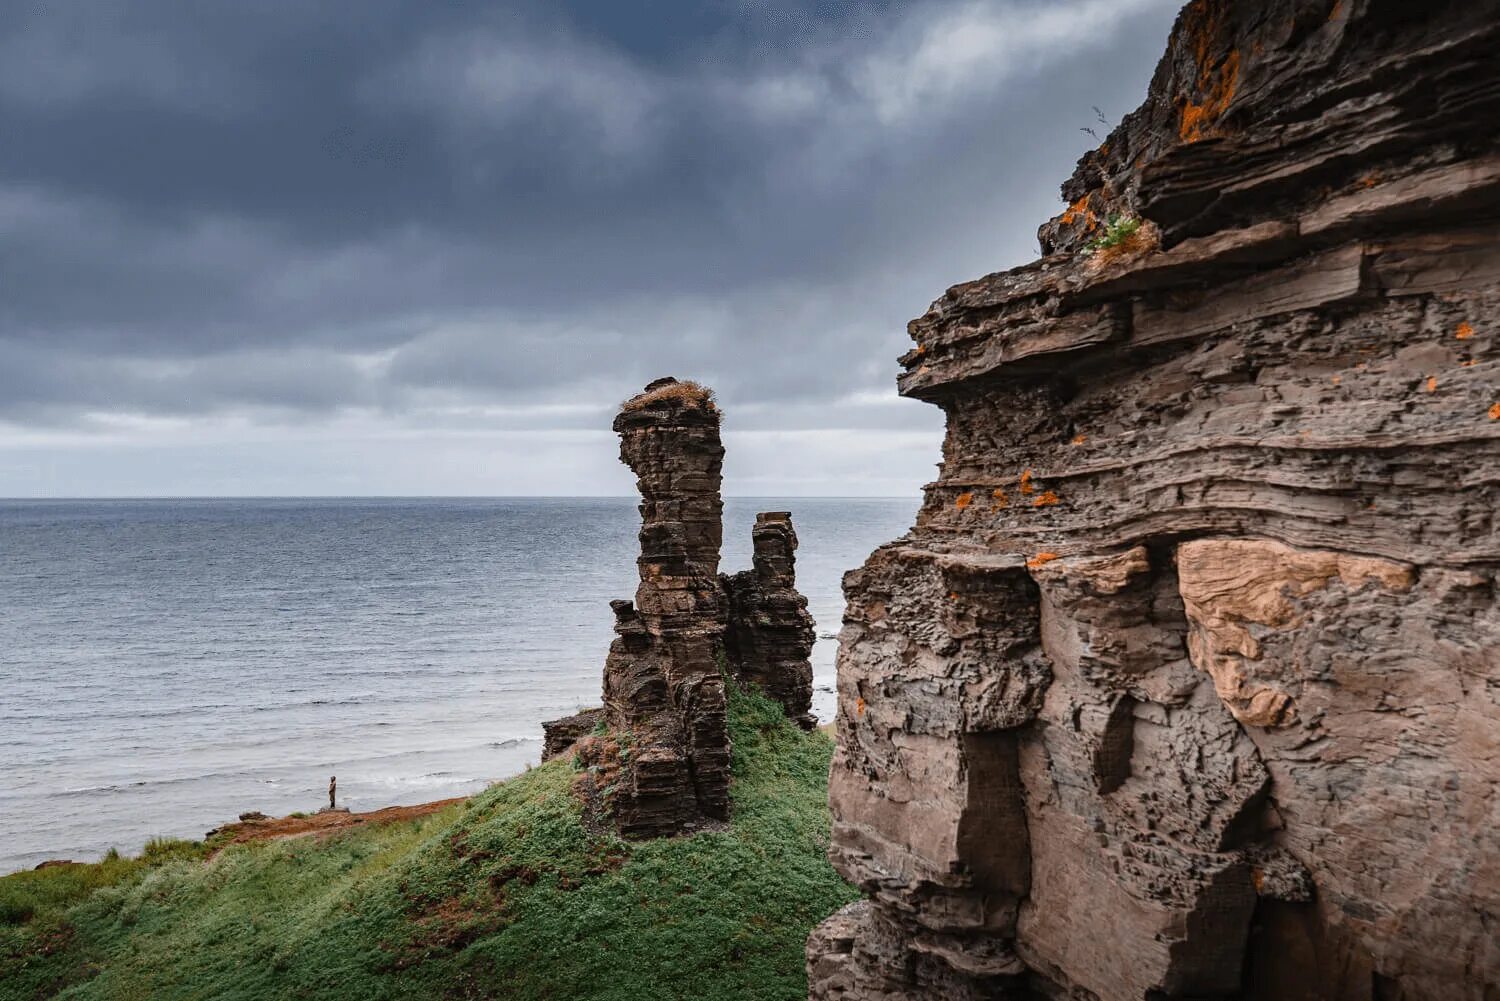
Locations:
{"points": [[770, 635], [1187, 682], [663, 690], [665, 746]]}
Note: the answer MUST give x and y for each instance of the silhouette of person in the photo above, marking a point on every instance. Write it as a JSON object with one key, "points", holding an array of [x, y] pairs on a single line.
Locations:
{"points": [[333, 784]]}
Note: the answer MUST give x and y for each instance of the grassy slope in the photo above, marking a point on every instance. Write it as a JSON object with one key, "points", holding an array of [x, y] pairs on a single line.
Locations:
{"points": [[505, 896]]}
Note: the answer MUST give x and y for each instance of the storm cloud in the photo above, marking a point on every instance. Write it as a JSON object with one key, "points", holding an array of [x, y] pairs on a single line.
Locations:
{"points": [[402, 247]]}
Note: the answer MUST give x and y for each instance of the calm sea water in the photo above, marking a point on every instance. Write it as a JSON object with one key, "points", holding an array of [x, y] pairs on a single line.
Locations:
{"points": [[166, 665]]}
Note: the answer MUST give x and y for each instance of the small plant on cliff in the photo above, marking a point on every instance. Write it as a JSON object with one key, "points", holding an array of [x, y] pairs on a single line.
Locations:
{"points": [[1117, 232]]}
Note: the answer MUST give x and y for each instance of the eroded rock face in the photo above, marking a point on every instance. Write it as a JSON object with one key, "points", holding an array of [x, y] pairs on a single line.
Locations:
{"points": [[559, 735], [664, 698], [1232, 586], [1186, 683], [770, 635], [663, 692]]}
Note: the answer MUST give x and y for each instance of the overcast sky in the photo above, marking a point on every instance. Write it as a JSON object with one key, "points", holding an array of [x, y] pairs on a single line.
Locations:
{"points": [[376, 247]]}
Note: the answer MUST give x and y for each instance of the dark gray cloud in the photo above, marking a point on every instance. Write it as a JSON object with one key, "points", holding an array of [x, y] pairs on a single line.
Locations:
{"points": [[404, 218]]}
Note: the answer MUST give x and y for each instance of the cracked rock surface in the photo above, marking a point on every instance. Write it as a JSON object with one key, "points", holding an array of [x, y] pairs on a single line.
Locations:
{"points": [[1186, 683]]}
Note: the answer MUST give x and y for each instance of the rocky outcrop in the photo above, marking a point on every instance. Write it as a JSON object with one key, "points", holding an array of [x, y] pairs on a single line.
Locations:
{"points": [[559, 735], [666, 749], [1187, 682], [663, 692], [770, 636]]}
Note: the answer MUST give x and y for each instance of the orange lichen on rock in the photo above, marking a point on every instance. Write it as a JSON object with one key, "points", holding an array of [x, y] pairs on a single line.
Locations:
{"points": [[1432, 384], [1465, 331], [859, 706], [1218, 79], [1080, 439], [964, 500], [1046, 499], [1041, 560], [1495, 412], [1198, 119], [1079, 212], [1026, 487], [1000, 499]]}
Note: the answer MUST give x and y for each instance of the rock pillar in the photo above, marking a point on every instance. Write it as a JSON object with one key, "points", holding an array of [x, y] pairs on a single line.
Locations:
{"points": [[689, 630], [663, 690], [770, 633]]}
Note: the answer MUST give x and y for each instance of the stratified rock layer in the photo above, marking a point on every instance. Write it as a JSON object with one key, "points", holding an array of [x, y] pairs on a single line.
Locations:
{"points": [[559, 735], [688, 627], [770, 635], [1187, 682], [662, 688]]}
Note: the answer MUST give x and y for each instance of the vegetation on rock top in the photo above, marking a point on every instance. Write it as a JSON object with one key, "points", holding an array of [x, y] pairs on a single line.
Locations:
{"points": [[1117, 232], [686, 392]]}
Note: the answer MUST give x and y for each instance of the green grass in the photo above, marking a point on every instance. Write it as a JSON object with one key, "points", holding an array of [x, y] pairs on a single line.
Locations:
{"points": [[1117, 231], [505, 896]]}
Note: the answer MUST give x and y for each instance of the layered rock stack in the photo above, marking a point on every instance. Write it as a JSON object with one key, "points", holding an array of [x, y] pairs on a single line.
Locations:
{"points": [[770, 635], [1187, 682], [662, 684], [664, 698]]}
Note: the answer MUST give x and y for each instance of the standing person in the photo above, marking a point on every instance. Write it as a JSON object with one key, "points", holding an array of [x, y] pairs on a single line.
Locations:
{"points": [[333, 784]]}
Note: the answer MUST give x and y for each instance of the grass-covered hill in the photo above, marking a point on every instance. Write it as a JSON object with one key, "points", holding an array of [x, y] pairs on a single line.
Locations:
{"points": [[507, 895]]}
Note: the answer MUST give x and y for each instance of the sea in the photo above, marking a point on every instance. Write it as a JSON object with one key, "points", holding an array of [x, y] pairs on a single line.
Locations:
{"points": [[166, 665]]}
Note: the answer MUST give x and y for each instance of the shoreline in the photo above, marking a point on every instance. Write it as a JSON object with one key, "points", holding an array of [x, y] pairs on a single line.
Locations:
{"points": [[252, 827]]}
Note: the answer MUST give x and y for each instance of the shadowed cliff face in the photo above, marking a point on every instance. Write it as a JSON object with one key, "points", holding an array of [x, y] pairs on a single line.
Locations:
{"points": [[1187, 682]]}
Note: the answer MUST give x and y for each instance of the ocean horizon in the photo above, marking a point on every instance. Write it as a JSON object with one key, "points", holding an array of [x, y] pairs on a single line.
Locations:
{"points": [[168, 663]]}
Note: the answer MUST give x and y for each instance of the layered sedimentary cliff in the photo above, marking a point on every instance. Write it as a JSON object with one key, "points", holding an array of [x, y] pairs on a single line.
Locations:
{"points": [[1187, 682], [665, 756]]}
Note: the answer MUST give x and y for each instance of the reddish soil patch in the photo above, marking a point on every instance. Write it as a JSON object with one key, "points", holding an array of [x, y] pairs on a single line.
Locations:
{"points": [[274, 828]]}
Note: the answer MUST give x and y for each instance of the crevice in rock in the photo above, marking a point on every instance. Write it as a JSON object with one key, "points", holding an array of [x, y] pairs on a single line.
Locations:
{"points": [[1212, 548]]}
